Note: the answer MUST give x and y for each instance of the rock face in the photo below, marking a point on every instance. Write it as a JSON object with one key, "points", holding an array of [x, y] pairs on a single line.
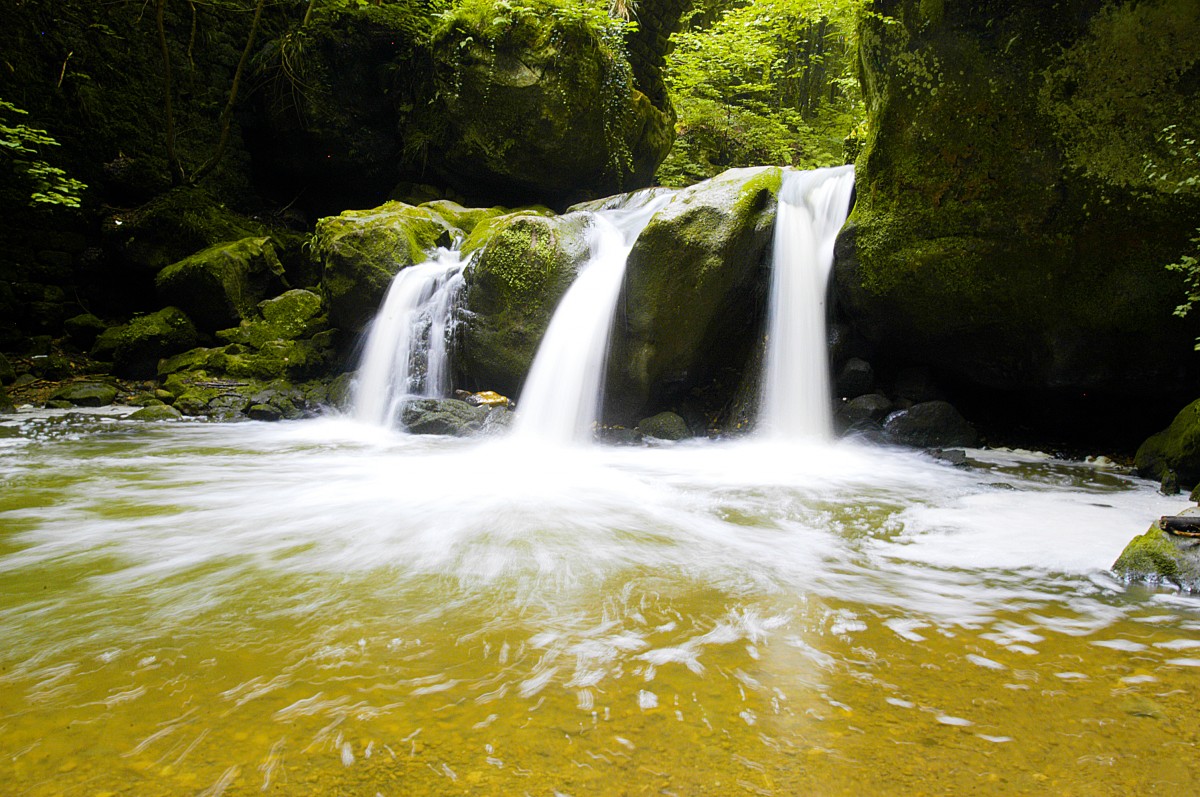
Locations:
{"points": [[1157, 557], [1175, 449], [695, 289], [1006, 231], [529, 104], [512, 289], [223, 284]]}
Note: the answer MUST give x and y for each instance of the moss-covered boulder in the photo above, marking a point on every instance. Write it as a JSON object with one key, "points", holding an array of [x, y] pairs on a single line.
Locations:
{"points": [[1012, 219], [1174, 449], [135, 348], [173, 226], [664, 426], [1158, 557], [223, 284], [359, 251], [511, 291], [695, 288], [86, 394], [158, 412], [535, 100], [83, 330]]}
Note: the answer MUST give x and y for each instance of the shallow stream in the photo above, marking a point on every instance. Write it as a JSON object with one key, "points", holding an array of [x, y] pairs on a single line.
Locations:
{"points": [[323, 607]]}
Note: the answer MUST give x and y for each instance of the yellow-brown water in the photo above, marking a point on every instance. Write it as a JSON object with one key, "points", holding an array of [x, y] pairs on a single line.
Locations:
{"points": [[303, 609]]}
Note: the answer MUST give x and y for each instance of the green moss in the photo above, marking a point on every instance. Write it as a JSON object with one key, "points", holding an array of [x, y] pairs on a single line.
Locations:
{"points": [[223, 284], [1176, 448], [1153, 556]]}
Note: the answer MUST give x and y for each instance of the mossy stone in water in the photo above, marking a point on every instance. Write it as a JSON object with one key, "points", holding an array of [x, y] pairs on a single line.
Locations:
{"points": [[665, 426], [223, 284], [86, 394], [1176, 448], [1157, 557], [159, 412], [449, 417]]}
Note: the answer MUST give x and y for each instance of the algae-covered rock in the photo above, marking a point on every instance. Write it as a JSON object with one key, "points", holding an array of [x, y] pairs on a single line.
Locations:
{"points": [[1157, 557], [1176, 448], [1007, 230], [529, 103], [136, 347], [223, 284], [361, 250], [694, 290], [174, 225], [86, 394], [158, 412], [511, 292], [664, 426], [449, 417]]}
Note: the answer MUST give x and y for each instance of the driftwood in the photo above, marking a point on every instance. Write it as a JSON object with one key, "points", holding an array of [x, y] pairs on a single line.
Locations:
{"points": [[1182, 525]]}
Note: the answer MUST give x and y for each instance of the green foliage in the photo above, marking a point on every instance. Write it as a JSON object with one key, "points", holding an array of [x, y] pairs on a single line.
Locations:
{"points": [[1175, 166], [765, 82], [22, 145]]}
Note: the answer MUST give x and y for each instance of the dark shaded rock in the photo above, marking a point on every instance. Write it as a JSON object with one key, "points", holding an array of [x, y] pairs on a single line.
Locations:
{"points": [[6, 404], [916, 385], [954, 456], [1175, 449], [158, 412], [856, 378], [664, 426], [511, 291], [1157, 557], [7, 374], [864, 412], [449, 417], [1007, 231], [223, 284], [1169, 484], [928, 425], [692, 303], [136, 348], [264, 412], [84, 329], [52, 367], [86, 394]]}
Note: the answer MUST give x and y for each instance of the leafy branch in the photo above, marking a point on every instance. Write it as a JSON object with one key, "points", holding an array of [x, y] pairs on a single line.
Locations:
{"points": [[21, 144]]}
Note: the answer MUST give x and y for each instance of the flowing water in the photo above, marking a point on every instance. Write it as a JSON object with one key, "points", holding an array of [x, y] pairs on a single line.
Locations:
{"points": [[813, 206], [321, 607], [562, 395], [406, 353]]}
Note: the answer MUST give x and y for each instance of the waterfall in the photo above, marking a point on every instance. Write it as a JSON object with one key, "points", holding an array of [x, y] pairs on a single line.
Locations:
{"points": [[562, 394], [796, 400], [407, 351]]}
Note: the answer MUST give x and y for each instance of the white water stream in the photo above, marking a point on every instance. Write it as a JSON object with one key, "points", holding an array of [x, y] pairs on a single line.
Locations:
{"points": [[407, 348], [796, 401]]}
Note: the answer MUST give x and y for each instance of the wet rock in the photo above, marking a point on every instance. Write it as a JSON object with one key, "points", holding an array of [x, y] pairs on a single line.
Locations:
{"points": [[486, 398], [1157, 557], [449, 417], [864, 412], [664, 426], [86, 394], [135, 348], [929, 424], [1169, 484], [1176, 448], [264, 412], [159, 412], [223, 284], [856, 378], [952, 456], [694, 291], [6, 404]]}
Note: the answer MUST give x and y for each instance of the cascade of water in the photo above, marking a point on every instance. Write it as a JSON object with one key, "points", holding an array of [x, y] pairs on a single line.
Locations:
{"points": [[813, 206], [561, 397], [406, 353]]}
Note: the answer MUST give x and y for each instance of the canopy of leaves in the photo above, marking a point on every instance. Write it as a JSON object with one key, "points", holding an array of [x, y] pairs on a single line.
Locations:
{"points": [[765, 82], [22, 146]]}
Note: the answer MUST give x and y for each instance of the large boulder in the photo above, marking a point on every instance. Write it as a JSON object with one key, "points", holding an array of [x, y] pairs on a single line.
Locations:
{"points": [[1160, 558], [695, 289], [512, 289], [223, 284], [532, 104], [359, 252], [1175, 449], [931, 424], [86, 394], [1012, 218], [449, 417], [135, 348]]}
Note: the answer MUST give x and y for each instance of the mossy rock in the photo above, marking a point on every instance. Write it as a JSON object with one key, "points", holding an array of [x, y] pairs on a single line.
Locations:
{"points": [[86, 394], [136, 347], [294, 315], [695, 286], [157, 412], [173, 226], [223, 284], [449, 417], [83, 330], [1157, 557], [361, 250], [512, 289], [997, 234], [1175, 449], [664, 426], [528, 104]]}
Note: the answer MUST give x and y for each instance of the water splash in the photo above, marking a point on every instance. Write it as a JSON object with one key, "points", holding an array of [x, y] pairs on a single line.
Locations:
{"points": [[813, 206], [561, 397], [407, 349]]}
